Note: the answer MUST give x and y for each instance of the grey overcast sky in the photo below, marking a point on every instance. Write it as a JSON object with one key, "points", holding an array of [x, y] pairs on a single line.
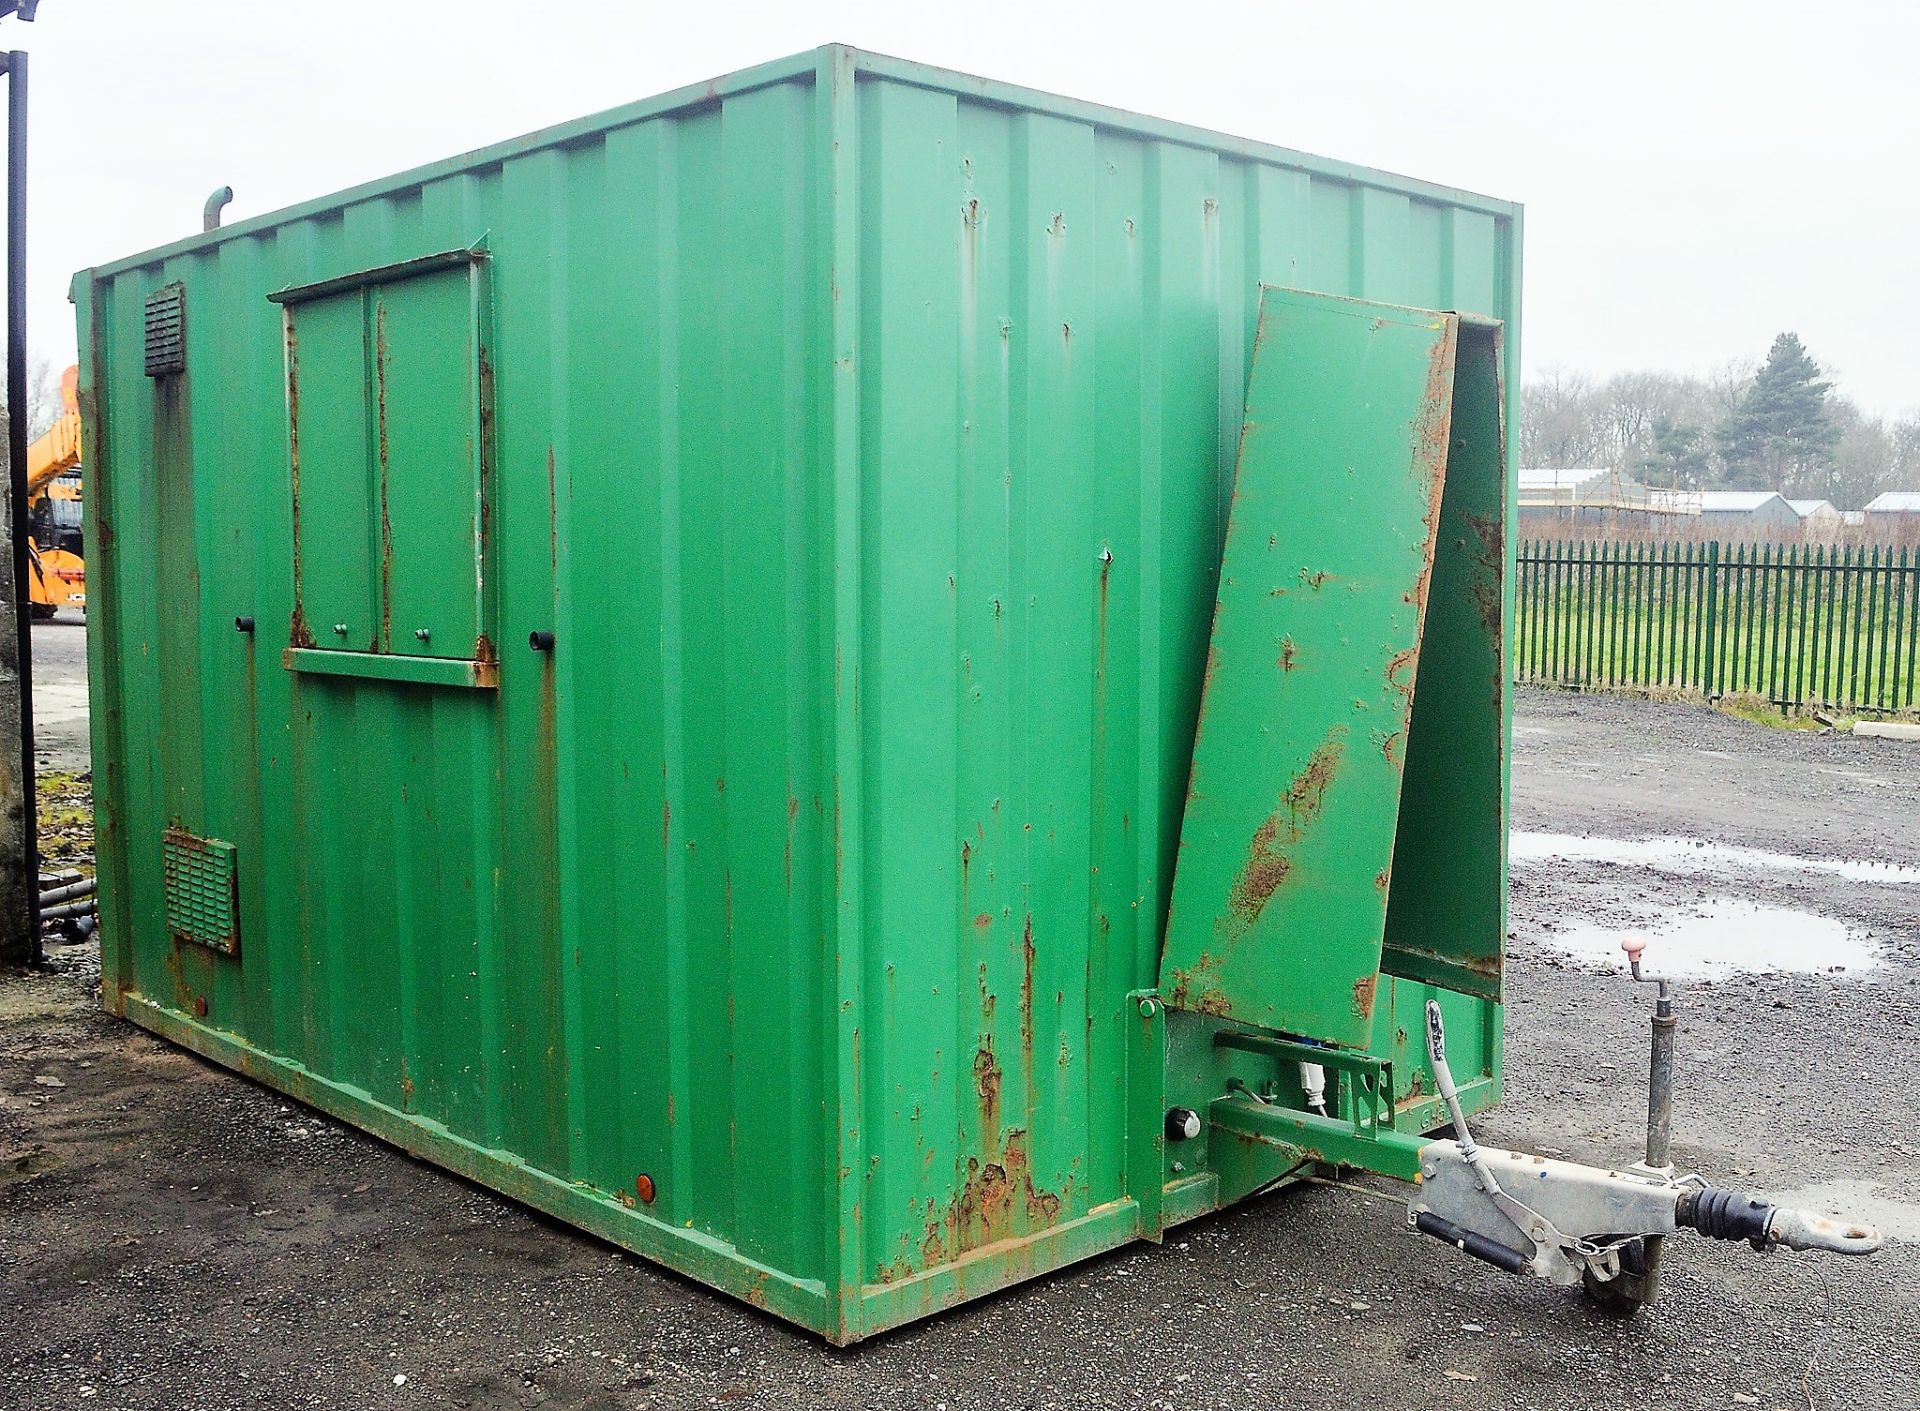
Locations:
{"points": [[1697, 177]]}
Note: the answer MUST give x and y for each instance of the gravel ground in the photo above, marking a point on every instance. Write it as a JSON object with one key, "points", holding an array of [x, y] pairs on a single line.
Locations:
{"points": [[174, 1237]]}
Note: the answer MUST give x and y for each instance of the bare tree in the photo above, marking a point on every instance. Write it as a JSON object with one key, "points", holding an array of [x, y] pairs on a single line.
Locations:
{"points": [[43, 398], [1863, 459], [1556, 420], [1726, 384], [1904, 474]]}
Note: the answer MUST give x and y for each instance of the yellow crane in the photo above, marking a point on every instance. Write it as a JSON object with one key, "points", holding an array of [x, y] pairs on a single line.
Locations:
{"points": [[57, 571]]}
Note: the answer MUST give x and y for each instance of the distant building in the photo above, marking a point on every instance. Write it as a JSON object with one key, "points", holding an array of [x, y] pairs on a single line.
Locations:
{"points": [[1816, 511], [1681, 502], [1894, 507], [1748, 510], [1590, 498]]}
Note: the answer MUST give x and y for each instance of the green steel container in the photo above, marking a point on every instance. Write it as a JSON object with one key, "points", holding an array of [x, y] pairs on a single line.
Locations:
{"points": [[657, 665]]}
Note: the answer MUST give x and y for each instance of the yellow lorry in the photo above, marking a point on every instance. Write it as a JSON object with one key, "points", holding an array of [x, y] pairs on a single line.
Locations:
{"points": [[57, 569]]}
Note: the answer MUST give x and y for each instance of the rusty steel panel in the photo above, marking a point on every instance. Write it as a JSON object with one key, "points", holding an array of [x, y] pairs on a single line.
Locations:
{"points": [[1447, 906], [852, 447], [1286, 849]]}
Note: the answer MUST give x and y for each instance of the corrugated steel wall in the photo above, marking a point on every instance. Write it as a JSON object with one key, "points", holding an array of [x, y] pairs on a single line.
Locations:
{"points": [[867, 445], [537, 916], [1057, 319]]}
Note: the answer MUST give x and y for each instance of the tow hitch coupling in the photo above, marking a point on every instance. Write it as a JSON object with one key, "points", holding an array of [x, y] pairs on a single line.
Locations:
{"points": [[1577, 1224]]}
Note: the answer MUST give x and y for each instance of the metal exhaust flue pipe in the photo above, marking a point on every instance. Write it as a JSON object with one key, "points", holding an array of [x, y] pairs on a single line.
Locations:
{"points": [[210, 213]]}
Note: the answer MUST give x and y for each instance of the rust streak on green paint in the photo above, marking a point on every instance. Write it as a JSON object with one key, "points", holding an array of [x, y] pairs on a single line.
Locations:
{"points": [[1270, 853]]}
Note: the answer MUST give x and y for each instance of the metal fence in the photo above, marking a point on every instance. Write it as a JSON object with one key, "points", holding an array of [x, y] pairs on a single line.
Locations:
{"points": [[1797, 624]]}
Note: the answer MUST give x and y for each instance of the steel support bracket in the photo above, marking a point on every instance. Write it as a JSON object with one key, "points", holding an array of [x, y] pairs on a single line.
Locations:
{"points": [[1370, 1085], [1330, 1141], [1145, 1020]]}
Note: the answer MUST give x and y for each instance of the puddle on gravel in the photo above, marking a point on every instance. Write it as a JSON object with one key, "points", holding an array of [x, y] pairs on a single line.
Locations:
{"points": [[1722, 936], [1692, 855]]}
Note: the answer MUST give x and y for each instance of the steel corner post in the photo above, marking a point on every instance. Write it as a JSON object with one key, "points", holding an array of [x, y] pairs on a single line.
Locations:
{"points": [[1146, 1109]]}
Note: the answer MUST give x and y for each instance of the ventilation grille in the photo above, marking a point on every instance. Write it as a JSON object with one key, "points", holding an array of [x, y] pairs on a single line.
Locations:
{"points": [[200, 891], [166, 330]]}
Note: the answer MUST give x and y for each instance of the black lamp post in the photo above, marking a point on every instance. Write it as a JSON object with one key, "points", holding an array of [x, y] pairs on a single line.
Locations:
{"points": [[15, 66]]}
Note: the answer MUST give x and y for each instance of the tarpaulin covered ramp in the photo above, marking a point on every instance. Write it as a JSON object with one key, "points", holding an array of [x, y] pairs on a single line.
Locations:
{"points": [[1346, 810]]}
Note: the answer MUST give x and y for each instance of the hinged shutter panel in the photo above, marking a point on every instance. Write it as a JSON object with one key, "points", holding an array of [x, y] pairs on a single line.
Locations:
{"points": [[333, 519], [1280, 890], [384, 391], [426, 375]]}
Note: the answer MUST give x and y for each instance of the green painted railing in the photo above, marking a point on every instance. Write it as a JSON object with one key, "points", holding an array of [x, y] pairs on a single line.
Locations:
{"points": [[1796, 624]]}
